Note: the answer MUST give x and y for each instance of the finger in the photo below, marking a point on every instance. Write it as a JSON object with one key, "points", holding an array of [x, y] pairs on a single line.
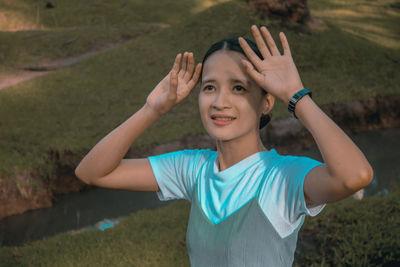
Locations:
{"points": [[173, 84], [177, 61], [190, 68], [260, 42], [285, 44], [253, 73], [250, 53], [192, 83], [184, 65], [173, 77], [270, 41]]}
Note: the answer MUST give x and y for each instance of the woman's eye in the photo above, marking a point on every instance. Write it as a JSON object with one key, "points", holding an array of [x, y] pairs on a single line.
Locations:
{"points": [[239, 88], [208, 88]]}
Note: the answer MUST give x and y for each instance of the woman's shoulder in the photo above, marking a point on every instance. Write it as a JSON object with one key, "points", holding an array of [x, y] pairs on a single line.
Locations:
{"points": [[275, 155], [188, 153], [284, 159], [193, 156], [199, 152]]}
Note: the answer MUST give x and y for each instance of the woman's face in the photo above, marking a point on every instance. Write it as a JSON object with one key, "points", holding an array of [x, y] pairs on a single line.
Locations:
{"points": [[230, 102]]}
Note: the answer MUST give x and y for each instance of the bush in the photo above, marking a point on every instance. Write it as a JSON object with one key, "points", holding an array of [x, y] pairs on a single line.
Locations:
{"points": [[353, 233]]}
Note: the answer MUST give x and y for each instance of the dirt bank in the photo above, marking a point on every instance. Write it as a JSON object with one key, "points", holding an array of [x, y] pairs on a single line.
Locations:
{"points": [[28, 191]]}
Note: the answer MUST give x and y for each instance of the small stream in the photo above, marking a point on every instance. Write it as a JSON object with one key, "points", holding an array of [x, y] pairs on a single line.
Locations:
{"points": [[382, 149], [74, 211], [82, 209]]}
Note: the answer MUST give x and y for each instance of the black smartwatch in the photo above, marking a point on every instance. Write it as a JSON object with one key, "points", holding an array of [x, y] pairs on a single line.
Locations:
{"points": [[295, 98]]}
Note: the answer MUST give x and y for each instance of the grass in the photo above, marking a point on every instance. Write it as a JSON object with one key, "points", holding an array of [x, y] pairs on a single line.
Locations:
{"points": [[46, 46], [350, 233], [354, 54], [71, 109], [375, 21], [353, 233], [147, 238], [109, 87], [33, 14], [74, 27]]}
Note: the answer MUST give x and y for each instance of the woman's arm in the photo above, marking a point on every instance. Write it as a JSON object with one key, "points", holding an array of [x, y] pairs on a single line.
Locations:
{"points": [[106, 155], [346, 169], [104, 165]]}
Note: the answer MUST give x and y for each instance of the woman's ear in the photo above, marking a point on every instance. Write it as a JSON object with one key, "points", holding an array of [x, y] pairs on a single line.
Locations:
{"points": [[268, 103]]}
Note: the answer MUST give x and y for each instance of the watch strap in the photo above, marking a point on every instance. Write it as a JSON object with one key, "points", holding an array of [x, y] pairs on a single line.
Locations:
{"points": [[295, 98]]}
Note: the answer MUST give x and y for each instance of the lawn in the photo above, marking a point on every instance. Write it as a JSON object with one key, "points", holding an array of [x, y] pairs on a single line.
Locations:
{"points": [[354, 53], [69, 110]]}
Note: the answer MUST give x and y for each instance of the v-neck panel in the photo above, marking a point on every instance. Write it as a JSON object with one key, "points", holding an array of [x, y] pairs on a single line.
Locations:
{"points": [[238, 167], [248, 203], [197, 203]]}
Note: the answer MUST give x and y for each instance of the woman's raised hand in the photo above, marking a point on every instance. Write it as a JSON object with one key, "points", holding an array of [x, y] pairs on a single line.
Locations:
{"points": [[277, 74], [176, 86]]}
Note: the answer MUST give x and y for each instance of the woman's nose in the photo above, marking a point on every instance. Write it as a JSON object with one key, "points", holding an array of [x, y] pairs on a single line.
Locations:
{"points": [[221, 100]]}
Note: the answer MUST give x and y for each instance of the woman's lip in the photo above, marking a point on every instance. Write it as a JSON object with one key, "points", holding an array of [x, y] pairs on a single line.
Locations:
{"points": [[222, 122]]}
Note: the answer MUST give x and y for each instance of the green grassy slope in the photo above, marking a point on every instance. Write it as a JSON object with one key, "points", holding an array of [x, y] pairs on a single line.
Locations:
{"points": [[31, 33], [375, 21], [22, 14], [71, 109], [23, 49]]}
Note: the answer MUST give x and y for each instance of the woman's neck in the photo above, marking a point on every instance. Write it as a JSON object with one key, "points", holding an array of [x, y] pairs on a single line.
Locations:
{"points": [[233, 151]]}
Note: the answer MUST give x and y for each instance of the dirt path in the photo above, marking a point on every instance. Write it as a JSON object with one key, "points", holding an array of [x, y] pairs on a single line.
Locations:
{"points": [[31, 72], [26, 73]]}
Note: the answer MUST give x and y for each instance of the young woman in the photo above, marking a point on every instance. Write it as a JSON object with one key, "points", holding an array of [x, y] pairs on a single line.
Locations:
{"points": [[248, 203]]}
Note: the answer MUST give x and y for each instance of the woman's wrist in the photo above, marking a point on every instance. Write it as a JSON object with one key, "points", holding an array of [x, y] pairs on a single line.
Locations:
{"points": [[150, 111], [295, 98], [294, 89]]}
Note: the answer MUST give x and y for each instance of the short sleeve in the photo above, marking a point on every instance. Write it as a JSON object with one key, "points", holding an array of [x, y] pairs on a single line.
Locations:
{"points": [[294, 171], [176, 172]]}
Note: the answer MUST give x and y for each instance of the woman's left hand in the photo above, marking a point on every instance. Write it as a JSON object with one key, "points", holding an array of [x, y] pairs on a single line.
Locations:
{"points": [[277, 74]]}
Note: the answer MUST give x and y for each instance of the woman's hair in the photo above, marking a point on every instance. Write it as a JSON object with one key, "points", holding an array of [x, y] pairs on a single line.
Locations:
{"points": [[232, 44]]}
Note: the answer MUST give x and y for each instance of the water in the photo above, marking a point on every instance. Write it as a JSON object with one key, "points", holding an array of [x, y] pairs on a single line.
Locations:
{"points": [[78, 210], [382, 150], [74, 211]]}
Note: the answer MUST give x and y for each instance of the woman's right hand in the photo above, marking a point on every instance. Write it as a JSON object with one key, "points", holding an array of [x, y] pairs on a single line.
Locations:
{"points": [[176, 86]]}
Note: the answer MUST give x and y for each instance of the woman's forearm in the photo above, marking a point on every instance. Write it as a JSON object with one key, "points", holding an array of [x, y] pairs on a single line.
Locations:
{"points": [[170, 91], [108, 153], [344, 160]]}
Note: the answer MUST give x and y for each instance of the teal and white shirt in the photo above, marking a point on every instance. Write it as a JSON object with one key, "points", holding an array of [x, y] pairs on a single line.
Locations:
{"points": [[278, 179]]}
